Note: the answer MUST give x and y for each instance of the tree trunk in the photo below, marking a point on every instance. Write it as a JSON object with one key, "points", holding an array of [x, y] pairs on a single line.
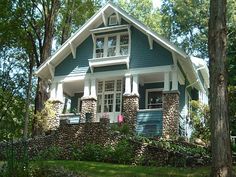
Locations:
{"points": [[220, 140], [50, 10]]}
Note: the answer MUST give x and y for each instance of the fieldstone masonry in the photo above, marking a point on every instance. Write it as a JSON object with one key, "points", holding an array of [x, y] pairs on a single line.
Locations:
{"points": [[54, 122], [89, 105], [130, 109], [170, 114]]}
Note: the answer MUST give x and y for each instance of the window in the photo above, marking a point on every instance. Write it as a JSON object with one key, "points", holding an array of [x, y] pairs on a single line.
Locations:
{"points": [[154, 99], [112, 45], [99, 47], [124, 44], [109, 96], [112, 20]]}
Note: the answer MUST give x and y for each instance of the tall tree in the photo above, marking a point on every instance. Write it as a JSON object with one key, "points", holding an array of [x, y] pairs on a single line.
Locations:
{"points": [[185, 24], [220, 140]]}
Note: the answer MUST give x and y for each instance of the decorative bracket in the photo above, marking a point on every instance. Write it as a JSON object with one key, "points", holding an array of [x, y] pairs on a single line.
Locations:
{"points": [[104, 19], [51, 69], [150, 41], [73, 49], [118, 17]]}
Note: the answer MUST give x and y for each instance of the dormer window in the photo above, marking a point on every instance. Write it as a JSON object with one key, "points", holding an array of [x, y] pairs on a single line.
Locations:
{"points": [[112, 20], [111, 45]]}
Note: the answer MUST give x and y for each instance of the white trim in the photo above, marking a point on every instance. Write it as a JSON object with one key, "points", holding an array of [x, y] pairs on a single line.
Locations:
{"points": [[108, 61], [181, 78], [51, 69], [146, 95], [59, 92], [127, 84], [124, 15], [109, 28], [104, 18], [73, 49], [118, 17], [93, 88], [111, 18], [174, 79], [86, 88], [150, 41], [116, 73], [53, 91], [166, 81], [155, 109], [135, 85]]}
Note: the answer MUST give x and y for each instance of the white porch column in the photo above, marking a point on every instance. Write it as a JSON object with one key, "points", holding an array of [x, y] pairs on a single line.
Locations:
{"points": [[127, 84], [174, 80], [59, 92], [53, 91], [135, 85], [93, 88], [166, 81], [86, 88]]}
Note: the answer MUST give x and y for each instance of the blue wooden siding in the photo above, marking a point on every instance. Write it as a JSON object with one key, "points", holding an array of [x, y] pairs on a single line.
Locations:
{"points": [[149, 123], [142, 92], [83, 52], [142, 56]]}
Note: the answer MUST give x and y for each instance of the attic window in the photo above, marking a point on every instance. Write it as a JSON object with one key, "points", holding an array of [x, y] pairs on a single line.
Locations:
{"points": [[112, 20]]}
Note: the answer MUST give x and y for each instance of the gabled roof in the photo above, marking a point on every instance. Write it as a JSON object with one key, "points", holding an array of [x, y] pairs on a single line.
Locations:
{"points": [[46, 69], [79, 36]]}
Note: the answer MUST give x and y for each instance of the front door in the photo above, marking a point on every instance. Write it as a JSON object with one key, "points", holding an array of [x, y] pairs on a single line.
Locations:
{"points": [[109, 95]]}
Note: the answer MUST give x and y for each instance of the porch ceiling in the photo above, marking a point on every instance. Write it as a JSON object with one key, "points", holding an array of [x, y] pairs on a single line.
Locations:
{"points": [[150, 78], [73, 87]]}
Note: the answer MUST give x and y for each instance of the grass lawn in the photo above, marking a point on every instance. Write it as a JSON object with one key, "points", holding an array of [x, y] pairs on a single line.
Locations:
{"points": [[95, 169]]}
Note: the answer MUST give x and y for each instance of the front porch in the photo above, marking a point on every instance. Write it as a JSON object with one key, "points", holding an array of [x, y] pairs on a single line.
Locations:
{"points": [[148, 100]]}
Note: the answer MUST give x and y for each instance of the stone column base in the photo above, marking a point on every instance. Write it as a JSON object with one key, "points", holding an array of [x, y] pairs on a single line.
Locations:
{"points": [[54, 121], [89, 105], [170, 114], [130, 109]]}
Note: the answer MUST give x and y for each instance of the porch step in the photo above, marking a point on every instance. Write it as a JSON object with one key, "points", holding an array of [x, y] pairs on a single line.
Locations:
{"points": [[149, 123]]}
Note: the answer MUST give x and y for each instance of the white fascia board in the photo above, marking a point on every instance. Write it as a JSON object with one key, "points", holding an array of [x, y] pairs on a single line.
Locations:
{"points": [[51, 69], [110, 28], [72, 38], [107, 74], [160, 40]]}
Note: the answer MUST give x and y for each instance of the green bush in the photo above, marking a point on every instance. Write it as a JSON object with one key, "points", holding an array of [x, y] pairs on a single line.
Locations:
{"points": [[51, 153], [123, 152]]}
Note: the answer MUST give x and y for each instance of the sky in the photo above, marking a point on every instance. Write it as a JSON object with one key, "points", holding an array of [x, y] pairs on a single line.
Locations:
{"points": [[157, 3]]}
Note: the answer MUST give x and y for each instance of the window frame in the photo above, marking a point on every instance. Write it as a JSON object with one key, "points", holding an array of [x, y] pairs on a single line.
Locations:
{"points": [[146, 96], [114, 93], [117, 49], [110, 20]]}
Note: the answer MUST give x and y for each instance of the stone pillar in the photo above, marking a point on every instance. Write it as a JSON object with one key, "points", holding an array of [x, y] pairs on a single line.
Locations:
{"points": [[89, 105], [54, 122], [170, 113], [130, 109]]}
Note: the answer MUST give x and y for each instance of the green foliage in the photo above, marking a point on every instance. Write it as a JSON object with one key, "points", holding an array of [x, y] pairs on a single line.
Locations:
{"points": [[186, 24], [200, 120], [44, 117], [51, 153], [123, 152], [143, 10], [232, 108], [122, 128]]}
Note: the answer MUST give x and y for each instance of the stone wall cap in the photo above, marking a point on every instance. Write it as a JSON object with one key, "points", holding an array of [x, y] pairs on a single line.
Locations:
{"points": [[89, 98], [130, 95], [171, 92]]}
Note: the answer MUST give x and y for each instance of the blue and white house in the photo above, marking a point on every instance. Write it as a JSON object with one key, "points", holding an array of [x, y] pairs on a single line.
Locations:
{"points": [[115, 65]]}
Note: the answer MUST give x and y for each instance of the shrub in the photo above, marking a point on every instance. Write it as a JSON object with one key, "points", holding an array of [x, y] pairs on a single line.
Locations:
{"points": [[51, 153], [123, 152]]}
